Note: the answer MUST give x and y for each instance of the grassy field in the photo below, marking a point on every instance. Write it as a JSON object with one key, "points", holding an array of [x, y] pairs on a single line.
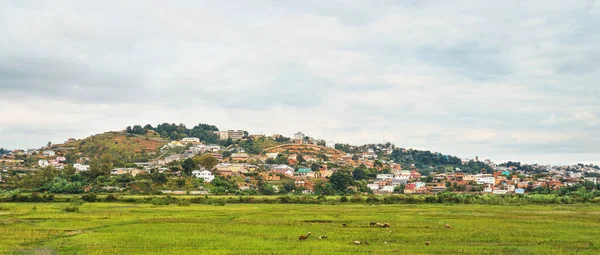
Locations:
{"points": [[121, 228]]}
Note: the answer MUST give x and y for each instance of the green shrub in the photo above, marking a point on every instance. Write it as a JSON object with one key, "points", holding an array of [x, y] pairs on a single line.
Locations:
{"points": [[111, 198], [71, 209], [91, 197]]}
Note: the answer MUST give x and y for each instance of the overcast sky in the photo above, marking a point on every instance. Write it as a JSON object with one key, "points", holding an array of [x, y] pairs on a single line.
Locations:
{"points": [[505, 80]]}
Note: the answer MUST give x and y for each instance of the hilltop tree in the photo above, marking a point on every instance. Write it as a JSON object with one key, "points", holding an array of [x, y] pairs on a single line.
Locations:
{"points": [[207, 161]]}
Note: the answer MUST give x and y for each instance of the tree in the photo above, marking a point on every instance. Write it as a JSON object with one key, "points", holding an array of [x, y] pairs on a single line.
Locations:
{"points": [[359, 174], [324, 189], [300, 159], [188, 165], [340, 181], [137, 129], [315, 167], [289, 186], [399, 189], [207, 161], [354, 157]]}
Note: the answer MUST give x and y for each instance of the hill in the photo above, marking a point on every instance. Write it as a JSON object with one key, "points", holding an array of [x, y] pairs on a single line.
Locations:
{"points": [[120, 145]]}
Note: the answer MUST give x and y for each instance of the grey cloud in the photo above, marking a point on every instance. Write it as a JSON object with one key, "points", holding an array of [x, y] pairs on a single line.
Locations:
{"points": [[421, 73]]}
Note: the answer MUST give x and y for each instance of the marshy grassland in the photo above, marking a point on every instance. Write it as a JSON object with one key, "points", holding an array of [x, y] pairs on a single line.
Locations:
{"points": [[131, 228]]}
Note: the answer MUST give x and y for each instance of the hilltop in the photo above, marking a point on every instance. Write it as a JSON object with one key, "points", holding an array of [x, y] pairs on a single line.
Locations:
{"points": [[119, 144]]}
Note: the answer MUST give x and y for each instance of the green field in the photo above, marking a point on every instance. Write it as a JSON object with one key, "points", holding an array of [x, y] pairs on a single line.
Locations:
{"points": [[122, 228]]}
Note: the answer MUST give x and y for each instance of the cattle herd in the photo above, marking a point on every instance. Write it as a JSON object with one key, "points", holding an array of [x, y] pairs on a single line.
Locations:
{"points": [[371, 224]]}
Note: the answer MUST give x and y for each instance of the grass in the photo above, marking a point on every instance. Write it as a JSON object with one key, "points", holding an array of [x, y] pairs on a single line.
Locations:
{"points": [[121, 228]]}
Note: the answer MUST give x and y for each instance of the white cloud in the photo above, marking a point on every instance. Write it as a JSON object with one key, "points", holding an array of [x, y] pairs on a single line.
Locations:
{"points": [[469, 78]]}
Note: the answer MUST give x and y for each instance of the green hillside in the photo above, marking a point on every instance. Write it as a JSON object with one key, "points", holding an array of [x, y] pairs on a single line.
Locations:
{"points": [[128, 147]]}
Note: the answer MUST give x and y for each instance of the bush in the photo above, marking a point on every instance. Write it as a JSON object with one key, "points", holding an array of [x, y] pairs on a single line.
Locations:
{"points": [[71, 209], [111, 198], [343, 199], [91, 197], [183, 202]]}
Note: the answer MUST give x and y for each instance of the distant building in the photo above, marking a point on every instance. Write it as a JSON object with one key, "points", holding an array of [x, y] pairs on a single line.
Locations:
{"points": [[205, 174], [591, 179], [43, 163], [48, 153], [234, 135], [299, 136], [80, 167], [190, 140]]}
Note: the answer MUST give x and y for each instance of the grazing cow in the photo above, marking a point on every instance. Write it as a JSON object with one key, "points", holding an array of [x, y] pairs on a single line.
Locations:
{"points": [[344, 225], [322, 237], [304, 237], [379, 225], [357, 242], [447, 226], [372, 224], [386, 225], [427, 243]]}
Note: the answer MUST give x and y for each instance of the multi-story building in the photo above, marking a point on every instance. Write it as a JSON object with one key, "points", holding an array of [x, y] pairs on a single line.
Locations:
{"points": [[233, 134]]}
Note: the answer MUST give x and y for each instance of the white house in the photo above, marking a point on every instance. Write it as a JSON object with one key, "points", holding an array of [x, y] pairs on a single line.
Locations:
{"points": [[48, 153], [486, 179], [373, 186], [499, 192], [190, 140], [385, 176], [205, 174], [289, 173], [591, 179], [80, 167], [389, 189], [43, 163], [488, 190], [272, 155]]}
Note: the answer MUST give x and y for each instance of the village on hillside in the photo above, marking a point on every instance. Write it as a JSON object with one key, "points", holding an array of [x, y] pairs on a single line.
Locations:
{"points": [[236, 162]]}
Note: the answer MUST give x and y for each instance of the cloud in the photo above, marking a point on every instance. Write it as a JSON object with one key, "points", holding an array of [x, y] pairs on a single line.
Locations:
{"points": [[497, 80]]}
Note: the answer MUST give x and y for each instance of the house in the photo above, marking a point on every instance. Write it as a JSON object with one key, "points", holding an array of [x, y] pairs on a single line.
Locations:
{"points": [[486, 179], [61, 159], [205, 174], [591, 179], [499, 192], [385, 176], [289, 173], [303, 171], [81, 167], [373, 186], [256, 136], [272, 155], [239, 156], [519, 191], [270, 177], [190, 140], [438, 188], [48, 153], [233, 134], [132, 171], [388, 189], [299, 136], [43, 163]]}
